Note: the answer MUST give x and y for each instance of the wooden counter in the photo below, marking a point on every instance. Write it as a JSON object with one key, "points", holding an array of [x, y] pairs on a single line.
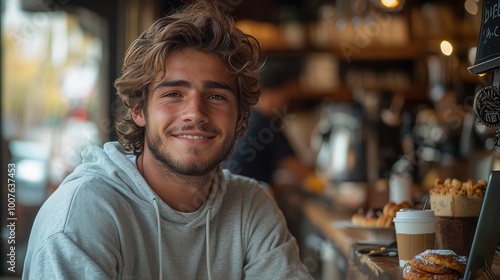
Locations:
{"points": [[360, 265], [333, 225], [387, 268], [380, 267]]}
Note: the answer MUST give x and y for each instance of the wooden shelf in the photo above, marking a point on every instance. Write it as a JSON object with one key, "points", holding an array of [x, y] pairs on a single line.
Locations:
{"points": [[410, 52], [351, 52], [344, 93]]}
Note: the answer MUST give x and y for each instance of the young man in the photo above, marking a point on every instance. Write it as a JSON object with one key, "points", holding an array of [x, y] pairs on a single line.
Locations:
{"points": [[167, 210]]}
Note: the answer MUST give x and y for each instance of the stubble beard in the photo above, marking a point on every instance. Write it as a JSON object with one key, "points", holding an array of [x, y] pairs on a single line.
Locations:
{"points": [[187, 168]]}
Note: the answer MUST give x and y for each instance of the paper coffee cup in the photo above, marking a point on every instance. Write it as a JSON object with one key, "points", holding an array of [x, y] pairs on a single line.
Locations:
{"points": [[415, 232]]}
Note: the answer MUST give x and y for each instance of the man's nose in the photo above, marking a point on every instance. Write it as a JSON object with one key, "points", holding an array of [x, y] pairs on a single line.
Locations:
{"points": [[195, 110]]}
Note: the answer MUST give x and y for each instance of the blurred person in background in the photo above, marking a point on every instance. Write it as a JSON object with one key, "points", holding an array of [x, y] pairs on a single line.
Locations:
{"points": [[265, 151], [157, 204]]}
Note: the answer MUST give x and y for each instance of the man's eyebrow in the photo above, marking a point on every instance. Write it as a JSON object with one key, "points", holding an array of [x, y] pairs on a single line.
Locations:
{"points": [[217, 85], [172, 83], [184, 83]]}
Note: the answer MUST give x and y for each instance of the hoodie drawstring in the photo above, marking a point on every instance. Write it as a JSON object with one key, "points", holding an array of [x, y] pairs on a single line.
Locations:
{"points": [[160, 261], [207, 236]]}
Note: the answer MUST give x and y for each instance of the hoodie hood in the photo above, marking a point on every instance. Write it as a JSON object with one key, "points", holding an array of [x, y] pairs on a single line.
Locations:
{"points": [[112, 164]]}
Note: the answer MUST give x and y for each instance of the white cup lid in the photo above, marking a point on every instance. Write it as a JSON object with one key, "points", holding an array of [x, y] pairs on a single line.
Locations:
{"points": [[415, 215]]}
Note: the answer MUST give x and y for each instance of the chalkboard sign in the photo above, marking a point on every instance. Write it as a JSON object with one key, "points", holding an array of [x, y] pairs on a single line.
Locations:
{"points": [[488, 46]]}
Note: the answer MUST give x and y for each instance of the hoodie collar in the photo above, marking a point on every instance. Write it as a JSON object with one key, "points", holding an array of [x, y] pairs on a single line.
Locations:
{"points": [[140, 188]]}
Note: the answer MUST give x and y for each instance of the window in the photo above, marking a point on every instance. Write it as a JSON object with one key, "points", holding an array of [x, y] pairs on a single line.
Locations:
{"points": [[53, 97], [55, 90]]}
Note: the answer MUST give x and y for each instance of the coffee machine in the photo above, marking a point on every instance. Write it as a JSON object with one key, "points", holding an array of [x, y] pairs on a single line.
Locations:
{"points": [[339, 145]]}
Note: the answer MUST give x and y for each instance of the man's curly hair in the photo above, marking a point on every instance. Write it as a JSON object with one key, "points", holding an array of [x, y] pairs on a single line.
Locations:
{"points": [[200, 26]]}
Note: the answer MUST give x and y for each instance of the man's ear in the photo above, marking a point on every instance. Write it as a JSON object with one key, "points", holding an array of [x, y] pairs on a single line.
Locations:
{"points": [[138, 116]]}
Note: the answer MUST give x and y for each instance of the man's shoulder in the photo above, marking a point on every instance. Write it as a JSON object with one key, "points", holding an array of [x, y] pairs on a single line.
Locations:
{"points": [[91, 185], [82, 196], [82, 206], [243, 182], [246, 187]]}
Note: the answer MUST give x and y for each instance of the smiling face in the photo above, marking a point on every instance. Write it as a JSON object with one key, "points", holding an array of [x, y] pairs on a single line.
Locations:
{"points": [[192, 114]]}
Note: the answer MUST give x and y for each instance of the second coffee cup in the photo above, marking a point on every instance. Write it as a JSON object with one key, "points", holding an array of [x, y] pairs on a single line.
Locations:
{"points": [[415, 232]]}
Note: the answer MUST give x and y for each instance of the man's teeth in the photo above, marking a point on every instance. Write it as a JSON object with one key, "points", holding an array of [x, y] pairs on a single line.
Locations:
{"points": [[192, 136]]}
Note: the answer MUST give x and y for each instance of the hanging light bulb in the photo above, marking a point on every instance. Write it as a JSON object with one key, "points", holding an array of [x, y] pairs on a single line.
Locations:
{"points": [[390, 4], [446, 48]]}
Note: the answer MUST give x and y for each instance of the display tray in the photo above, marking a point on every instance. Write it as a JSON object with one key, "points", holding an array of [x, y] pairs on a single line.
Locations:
{"points": [[369, 233]]}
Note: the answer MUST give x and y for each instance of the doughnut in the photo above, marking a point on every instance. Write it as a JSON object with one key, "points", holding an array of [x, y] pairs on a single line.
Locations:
{"points": [[446, 258], [420, 263], [412, 273]]}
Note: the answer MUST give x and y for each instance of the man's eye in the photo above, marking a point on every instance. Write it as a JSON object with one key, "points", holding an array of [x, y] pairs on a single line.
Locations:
{"points": [[217, 97], [170, 94]]}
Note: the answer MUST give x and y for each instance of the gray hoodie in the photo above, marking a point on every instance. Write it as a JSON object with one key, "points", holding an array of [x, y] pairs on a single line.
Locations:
{"points": [[105, 222]]}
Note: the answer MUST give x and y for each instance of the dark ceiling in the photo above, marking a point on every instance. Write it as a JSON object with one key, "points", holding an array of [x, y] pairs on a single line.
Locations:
{"points": [[304, 10]]}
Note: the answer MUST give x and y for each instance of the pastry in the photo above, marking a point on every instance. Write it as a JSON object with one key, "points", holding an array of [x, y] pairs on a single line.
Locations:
{"points": [[446, 258], [365, 219], [370, 221], [420, 263], [384, 221], [413, 273], [457, 187], [389, 212], [390, 209], [435, 264], [358, 218], [380, 219]]}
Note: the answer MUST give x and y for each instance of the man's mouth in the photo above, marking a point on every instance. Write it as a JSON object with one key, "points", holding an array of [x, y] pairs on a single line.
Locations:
{"points": [[193, 137]]}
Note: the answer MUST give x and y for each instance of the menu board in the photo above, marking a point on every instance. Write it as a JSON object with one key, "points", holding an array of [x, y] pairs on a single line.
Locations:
{"points": [[488, 47]]}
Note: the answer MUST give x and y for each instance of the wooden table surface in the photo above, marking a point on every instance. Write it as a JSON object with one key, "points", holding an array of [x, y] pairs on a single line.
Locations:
{"points": [[360, 265], [336, 227], [382, 267], [379, 267]]}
